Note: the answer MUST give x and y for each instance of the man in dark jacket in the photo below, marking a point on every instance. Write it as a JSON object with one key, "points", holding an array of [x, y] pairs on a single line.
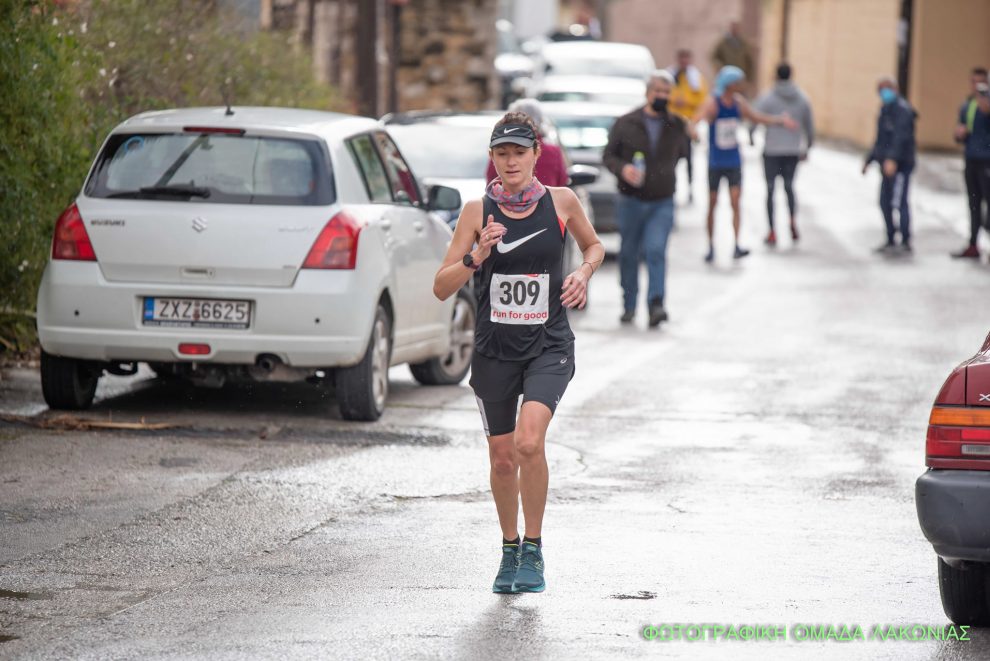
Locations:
{"points": [[894, 150], [973, 130], [643, 148]]}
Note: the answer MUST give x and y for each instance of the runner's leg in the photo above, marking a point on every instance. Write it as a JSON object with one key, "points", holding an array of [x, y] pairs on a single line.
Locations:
{"points": [[505, 482], [630, 218], [530, 441], [734, 199], [770, 172]]}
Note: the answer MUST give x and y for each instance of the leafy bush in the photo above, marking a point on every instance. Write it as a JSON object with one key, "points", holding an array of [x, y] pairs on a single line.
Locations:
{"points": [[69, 74]]}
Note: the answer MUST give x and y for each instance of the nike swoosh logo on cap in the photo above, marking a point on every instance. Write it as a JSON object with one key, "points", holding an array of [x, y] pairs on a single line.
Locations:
{"points": [[511, 130], [506, 247]]}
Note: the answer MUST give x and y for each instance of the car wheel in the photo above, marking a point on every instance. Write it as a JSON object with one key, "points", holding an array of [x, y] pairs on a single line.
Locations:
{"points": [[363, 388], [964, 593], [450, 369], [68, 383]]}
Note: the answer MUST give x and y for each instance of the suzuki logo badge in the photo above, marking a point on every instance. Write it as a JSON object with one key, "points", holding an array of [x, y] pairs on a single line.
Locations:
{"points": [[199, 224]]}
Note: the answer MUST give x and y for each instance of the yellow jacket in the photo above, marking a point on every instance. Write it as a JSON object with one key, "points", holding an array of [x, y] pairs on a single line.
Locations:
{"points": [[685, 99]]}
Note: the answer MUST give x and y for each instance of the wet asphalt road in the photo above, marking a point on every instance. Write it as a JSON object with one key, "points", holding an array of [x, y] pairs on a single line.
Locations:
{"points": [[751, 463]]}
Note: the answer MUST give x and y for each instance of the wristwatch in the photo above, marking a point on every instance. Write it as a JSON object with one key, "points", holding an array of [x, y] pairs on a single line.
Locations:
{"points": [[468, 261]]}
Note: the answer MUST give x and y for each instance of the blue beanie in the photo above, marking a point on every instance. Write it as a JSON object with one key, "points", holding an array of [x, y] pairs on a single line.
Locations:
{"points": [[727, 75]]}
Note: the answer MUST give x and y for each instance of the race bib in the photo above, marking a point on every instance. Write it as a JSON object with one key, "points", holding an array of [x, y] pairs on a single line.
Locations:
{"points": [[725, 133], [520, 299]]}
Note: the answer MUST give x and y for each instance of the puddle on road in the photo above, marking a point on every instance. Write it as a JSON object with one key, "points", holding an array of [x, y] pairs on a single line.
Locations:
{"points": [[642, 594], [24, 596], [177, 462]]}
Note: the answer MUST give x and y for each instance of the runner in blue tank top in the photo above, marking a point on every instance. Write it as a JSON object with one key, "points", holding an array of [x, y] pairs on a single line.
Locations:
{"points": [[523, 345], [724, 111]]}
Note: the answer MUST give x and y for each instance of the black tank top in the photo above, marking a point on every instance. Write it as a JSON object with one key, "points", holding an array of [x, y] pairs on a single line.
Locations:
{"points": [[519, 311]]}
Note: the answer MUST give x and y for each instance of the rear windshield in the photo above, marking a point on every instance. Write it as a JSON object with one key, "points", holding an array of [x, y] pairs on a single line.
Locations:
{"points": [[212, 167]]}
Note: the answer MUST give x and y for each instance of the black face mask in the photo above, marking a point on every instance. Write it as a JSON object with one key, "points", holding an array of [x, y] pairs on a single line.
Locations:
{"points": [[659, 105]]}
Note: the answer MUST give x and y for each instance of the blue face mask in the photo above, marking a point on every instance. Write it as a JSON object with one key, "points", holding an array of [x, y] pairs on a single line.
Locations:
{"points": [[887, 95]]}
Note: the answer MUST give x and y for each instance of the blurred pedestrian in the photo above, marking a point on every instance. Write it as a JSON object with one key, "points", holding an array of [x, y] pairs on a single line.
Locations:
{"points": [[894, 150], [551, 167], [643, 148], [687, 96], [783, 148], [723, 111], [733, 50], [973, 131]]}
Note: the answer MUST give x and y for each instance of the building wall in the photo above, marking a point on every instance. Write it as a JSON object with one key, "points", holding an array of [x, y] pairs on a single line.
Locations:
{"points": [[839, 48], [950, 38], [663, 26]]}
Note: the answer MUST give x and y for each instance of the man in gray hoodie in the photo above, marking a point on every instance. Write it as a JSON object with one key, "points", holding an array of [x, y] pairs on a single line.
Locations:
{"points": [[784, 147]]}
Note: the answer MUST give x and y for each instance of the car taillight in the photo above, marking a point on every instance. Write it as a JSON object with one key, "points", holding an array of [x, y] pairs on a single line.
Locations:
{"points": [[71, 240], [336, 246], [958, 437]]}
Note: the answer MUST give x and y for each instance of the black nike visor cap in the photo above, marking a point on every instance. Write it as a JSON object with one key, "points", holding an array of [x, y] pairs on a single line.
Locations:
{"points": [[516, 134]]}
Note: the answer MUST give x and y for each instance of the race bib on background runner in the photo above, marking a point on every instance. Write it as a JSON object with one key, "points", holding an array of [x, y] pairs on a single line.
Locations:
{"points": [[725, 133], [520, 299]]}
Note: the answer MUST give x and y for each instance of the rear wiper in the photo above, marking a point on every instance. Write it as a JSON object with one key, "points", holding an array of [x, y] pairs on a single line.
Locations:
{"points": [[186, 190]]}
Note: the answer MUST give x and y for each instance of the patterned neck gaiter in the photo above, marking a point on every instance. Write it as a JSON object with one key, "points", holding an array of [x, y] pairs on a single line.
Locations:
{"points": [[516, 202]]}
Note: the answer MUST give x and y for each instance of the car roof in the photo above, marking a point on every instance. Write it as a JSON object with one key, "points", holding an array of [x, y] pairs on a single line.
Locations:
{"points": [[484, 118], [248, 117], [606, 84], [603, 49], [584, 109]]}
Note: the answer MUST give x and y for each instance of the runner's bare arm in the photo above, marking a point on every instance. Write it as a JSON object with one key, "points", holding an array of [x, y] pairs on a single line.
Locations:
{"points": [[706, 112], [755, 116], [453, 274], [575, 290]]}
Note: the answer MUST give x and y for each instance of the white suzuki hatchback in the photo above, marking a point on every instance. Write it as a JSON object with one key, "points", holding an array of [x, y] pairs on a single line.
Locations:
{"points": [[251, 244]]}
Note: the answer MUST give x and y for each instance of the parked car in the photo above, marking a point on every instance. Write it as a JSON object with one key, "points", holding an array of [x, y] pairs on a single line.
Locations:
{"points": [[251, 244], [953, 495], [587, 58], [628, 92], [582, 129]]}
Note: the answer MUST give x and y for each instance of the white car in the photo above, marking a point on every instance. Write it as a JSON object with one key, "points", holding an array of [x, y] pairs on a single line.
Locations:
{"points": [[626, 92], [251, 243], [587, 58]]}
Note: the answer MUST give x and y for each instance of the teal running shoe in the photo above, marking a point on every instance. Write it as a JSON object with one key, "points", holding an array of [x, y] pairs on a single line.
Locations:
{"points": [[507, 569], [529, 576]]}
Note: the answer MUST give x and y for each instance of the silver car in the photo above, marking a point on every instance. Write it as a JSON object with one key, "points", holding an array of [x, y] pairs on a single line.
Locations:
{"points": [[251, 244]]}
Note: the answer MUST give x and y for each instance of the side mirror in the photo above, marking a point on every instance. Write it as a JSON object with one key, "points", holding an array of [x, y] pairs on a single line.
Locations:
{"points": [[443, 198], [582, 175]]}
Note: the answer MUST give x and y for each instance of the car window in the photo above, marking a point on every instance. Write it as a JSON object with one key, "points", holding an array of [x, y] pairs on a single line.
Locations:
{"points": [[444, 150], [218, 167], [404, 188], [372, 170], [584, 132]]}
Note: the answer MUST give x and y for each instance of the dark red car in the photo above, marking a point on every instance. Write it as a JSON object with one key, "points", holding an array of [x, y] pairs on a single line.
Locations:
{"points": [[953, 496]]}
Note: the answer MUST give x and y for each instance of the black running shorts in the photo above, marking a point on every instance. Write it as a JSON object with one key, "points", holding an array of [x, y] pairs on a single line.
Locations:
{"points": [[732, 175], [498, 383]]}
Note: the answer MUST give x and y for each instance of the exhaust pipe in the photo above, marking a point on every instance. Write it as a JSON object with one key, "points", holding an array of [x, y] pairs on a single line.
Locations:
{"points": [[267, 363]]}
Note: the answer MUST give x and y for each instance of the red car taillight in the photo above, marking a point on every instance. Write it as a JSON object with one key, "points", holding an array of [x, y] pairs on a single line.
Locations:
{"points": [[958, 437], [71, 240], [336, 246]]}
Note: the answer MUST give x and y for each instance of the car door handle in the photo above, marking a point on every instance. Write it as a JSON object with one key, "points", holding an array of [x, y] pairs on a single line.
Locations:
{"points": [[386, 224]]}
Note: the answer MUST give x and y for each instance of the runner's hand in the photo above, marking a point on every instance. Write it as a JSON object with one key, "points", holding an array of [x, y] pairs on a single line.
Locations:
{"points": [[632, 176], [575, 291], [787, 122], [490, 235]]}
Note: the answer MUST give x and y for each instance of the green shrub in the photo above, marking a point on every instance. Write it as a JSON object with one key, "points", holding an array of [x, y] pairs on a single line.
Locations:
{"points": [[68, 75]]}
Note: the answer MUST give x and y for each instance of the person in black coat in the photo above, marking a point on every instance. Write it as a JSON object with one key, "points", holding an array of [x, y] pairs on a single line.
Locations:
{"points": [[894, 149]]}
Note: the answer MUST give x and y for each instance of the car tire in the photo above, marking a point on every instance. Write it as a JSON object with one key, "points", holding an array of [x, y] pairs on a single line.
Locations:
{"points": [[964, 593], [363, 389], [67, 383], [451, 368]]}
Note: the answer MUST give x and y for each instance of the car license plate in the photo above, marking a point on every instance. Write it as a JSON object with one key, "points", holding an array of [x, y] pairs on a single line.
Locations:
{"points": [[196, 313]]}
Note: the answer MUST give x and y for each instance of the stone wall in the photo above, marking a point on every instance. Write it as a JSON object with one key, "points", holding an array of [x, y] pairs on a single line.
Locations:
{"points": [[446, 55], [442, 51]]}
